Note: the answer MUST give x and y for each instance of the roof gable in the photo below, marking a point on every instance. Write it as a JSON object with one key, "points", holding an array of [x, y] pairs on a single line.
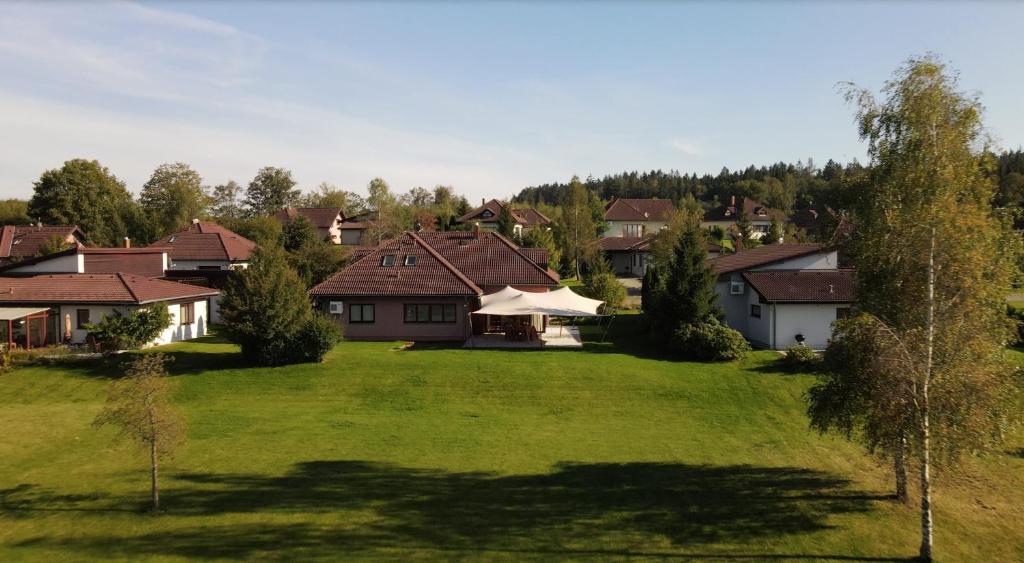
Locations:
{"points": [[754, 209], [761, 256], [624, 209], [118, 288], [203, 240]]}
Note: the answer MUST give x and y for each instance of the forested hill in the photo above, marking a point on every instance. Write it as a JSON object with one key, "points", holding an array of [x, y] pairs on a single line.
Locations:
{"points": [[782, 185]]}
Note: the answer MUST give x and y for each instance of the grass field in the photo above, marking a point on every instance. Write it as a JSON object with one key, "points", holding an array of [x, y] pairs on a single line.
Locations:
{"points": [[437, 453]]}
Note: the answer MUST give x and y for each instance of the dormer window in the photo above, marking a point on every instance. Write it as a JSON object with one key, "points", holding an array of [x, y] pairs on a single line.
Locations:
{"points": [[487, 214], [410, 260], [387, 260]]}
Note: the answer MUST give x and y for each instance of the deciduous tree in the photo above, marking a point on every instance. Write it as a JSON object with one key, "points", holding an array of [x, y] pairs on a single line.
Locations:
{"points": [[140, 406], [173, 196], [271, 189]]}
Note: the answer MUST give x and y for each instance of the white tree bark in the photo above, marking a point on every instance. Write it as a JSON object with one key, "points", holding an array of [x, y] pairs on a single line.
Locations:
{"points": [[927, 525]]}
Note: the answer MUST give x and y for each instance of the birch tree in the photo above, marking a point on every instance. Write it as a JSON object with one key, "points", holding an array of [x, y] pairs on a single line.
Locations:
{"points": [[139, 405], [934, 263]]}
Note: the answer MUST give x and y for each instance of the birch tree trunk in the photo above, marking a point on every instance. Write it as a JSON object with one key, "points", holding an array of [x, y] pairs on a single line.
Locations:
{"points": [[927, 525], [900, 468]]}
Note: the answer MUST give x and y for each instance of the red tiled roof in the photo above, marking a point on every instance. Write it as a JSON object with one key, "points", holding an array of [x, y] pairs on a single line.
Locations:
{"points": [[754, 209], [207, 241], [527, 217], [622, 209], [447, 263], [804, 286], [121, 288], [624, 244], [761, 256], [24, 241], [148, 261]]}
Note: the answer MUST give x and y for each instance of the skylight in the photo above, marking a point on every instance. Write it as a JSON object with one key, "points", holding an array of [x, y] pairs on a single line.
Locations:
{"points": [[387, 260], [410, 260]]}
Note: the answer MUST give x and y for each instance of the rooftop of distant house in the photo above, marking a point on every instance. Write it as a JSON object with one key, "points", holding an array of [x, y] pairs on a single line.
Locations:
{"points": [[624, 209], [796, 286], [761, 256], [490, 210], [206, 241], [736, 207], [323, 218], [25, 241], [114, 289], [453, 263]]}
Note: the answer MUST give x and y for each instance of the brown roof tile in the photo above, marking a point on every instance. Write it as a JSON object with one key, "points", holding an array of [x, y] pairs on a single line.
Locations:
{"points": [[623, 209], [121, 288], [761, 256], [624, 244], [527, 217], [447, 263], [24, 241], [207, 241], [807, 286], [754, 209]]}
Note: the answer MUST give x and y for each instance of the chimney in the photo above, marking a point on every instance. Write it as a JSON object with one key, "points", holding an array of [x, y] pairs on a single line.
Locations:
{"points": [[483, 201], [732, 201], [127, 242]]}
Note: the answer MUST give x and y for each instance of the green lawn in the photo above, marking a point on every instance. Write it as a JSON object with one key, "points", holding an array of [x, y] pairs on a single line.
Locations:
{"points": [[450, 454]]}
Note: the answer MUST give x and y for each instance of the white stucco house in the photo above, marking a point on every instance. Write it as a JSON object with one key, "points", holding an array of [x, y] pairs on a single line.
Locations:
{"points": [[783, 294], [630, 224], [726, 215], [206, 253], [42, 309]]}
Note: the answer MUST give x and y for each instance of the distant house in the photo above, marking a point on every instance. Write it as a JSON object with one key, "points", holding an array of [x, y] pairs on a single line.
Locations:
{"points": [[205, 254], [18, 242], [487, 217], [353, 229], [423, 286], [327, 220], [43, 309], [636, 218], [780, 294], [150, 262], [725, 216], [630, 226]]}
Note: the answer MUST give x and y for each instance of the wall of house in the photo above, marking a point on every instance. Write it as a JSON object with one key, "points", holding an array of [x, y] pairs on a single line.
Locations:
{"points": [[202, 264], [616, 228], [758, 330], [71, 264], [178, 332], [819, 261], [813, 320], [351, 237], [629, 263], [174, 333], [389, 319], [734, 306]]}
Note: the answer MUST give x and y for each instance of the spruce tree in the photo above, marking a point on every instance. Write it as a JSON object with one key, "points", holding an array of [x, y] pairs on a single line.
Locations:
{"points": [[690, 288], [506, 222]]}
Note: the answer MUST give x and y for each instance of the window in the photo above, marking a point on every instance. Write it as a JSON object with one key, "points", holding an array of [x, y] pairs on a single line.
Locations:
{"points": [[187, 315], [430, 313], [207, 267], [842, 313], [360, 313], [336, 307], [82, 318], [387, 260], [755, 311], [410, 260], [736, 288], [487, 214], [633, 230]]}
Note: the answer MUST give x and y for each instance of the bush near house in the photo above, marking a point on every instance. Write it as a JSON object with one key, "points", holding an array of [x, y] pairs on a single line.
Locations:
{"points": [[708, 341], [131, 331], [801, 358], [600, 283]]}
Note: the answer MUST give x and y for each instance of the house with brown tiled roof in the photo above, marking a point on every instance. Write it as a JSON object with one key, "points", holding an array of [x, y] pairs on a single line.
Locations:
{"points": [[486, 217], [205, 253], [150, 262], [726, 215], [631, 224], [778, 295], [423, 286], [38, 309], [327, 220], [20, 242]]}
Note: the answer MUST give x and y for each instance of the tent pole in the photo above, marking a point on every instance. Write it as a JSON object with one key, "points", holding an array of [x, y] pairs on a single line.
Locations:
{"points": [[607, 328]]}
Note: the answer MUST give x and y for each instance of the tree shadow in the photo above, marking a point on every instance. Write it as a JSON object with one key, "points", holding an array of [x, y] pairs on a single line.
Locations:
{"points": [[577, 509], [1019, 452]]}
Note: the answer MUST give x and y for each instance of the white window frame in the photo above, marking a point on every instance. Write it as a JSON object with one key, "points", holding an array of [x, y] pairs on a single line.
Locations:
{"points": [[736, 288]]}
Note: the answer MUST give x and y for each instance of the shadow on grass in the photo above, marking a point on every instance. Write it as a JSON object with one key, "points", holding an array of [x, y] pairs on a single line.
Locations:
{"points": [[199, 355], [1016, 453], [577, 509]]}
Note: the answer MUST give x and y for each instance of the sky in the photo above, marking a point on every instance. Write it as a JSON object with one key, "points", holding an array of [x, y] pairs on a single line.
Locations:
{"points": [[486, 97]]}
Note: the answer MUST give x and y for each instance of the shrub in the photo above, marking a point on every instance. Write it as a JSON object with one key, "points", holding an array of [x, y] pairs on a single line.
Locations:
{"points": [[134, 330], [801, 358], [314, 340], [600, 283], [709, 341]]}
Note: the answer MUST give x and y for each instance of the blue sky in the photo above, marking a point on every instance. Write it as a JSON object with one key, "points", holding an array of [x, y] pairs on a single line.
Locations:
{"points": [[487, 97]]}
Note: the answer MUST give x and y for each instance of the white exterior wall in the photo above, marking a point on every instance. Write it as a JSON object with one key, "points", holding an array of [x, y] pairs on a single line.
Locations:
{"points": [[819, 261], [760, 226], [178, 332], [758, 330], [813, 320], [71, 264], [174, 333], [617, 228]]}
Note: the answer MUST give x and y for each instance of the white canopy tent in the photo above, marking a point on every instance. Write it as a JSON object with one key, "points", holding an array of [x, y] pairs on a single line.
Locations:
{"points": [[562, 302]]}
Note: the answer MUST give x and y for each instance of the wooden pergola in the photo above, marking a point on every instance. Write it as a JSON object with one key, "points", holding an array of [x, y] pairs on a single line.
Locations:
{"points": [[26, 320]]}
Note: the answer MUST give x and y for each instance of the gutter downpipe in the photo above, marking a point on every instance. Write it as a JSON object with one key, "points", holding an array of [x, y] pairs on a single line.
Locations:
{"points": [[772, 343]]}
